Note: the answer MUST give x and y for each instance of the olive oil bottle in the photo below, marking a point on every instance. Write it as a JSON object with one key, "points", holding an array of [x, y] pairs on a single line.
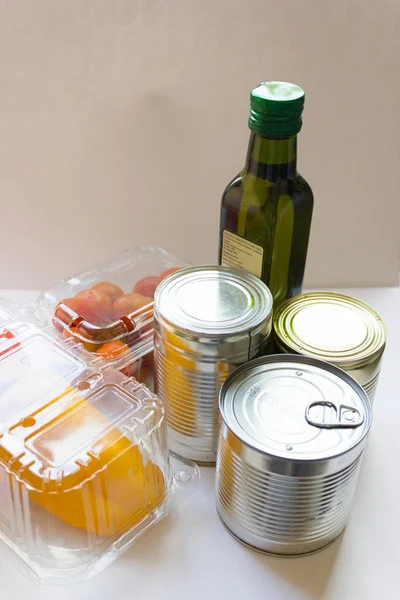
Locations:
{"points": [[266, 210]]}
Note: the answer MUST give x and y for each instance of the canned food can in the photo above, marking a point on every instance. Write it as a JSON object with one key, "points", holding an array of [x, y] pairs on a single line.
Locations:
{"points": [[336, 328], [293, 430], [207, 321]]}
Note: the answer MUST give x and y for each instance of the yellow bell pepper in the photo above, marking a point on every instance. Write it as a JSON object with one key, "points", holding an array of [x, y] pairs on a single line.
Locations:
{"points": [[82, 469]]}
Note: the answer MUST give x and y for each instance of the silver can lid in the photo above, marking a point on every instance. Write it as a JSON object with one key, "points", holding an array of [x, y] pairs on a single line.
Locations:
{"points": [[213, 300], [295, 407]]}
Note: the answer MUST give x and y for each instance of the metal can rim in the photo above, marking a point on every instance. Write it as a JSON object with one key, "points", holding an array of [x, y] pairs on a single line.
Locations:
{"points": [[252, 324], [358, 356], [301, 359]]}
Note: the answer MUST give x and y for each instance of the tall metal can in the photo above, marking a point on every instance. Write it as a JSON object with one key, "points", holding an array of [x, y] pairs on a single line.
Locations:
{"points": [[293, 430], [336, 328], [208, 320]]}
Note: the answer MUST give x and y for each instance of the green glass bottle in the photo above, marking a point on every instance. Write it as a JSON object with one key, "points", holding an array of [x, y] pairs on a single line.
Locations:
{"points": [[266, 210]]}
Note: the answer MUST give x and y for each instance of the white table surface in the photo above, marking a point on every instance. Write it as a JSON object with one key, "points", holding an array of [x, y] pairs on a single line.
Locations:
{"points": [[190, 556]]}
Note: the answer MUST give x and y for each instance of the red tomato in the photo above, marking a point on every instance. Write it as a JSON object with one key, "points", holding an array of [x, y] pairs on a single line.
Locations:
{"points": [[62, 315], [147, 286], [141, 371], [127, 371], [112, 350], [129, 303], [148, 359], [94, 306], [167, 272], [112, 290]]}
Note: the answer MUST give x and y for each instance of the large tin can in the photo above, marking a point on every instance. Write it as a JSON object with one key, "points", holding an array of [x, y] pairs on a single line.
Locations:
{"points": [[293, 430], [208, 320], [336, 328]]}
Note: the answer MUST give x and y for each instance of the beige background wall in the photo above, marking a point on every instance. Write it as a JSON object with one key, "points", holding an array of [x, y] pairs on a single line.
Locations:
{"points": [[121, 121]]}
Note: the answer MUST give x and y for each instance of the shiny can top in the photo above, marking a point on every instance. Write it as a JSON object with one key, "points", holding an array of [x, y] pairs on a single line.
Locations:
{"points": [[334, 327], [295, 407], [213, 300]]}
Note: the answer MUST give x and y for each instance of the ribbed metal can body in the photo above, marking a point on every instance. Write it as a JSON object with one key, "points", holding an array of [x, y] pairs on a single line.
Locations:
{"points": [[281, 514], [288, 461], [191, 400], [208, 321]]}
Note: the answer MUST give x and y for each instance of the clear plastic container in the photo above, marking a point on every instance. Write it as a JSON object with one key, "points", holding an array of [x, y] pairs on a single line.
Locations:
{"points": [[84, 465], [8, 310], [109, 308]]}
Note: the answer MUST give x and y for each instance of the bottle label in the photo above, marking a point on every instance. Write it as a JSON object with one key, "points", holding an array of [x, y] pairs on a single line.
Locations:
{"points": [[242, 254]]}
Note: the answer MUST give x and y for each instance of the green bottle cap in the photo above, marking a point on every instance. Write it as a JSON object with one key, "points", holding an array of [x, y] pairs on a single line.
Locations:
{"points": [[275, 109]]}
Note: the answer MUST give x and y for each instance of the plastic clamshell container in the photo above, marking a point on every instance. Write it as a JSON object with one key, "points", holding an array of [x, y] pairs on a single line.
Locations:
{"points": [[115, 319], [84, 465], [8, 311]]}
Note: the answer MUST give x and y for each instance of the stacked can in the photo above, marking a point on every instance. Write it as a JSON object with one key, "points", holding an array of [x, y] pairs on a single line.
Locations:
{"points": [[336, 328], [208, 321], [293, 430]]}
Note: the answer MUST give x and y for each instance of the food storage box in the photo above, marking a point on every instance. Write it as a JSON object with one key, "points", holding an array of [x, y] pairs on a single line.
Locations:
{"points": [[8, 310], [109, 309], [84, 465]]}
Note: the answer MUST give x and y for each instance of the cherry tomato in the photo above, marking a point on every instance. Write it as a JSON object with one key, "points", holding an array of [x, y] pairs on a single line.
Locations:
{"points": [[148, 359], [112, 290], [129, 303], [112, 350], [94, 306], [141, 371], [62, 315], [147, 286], [167, 272]]}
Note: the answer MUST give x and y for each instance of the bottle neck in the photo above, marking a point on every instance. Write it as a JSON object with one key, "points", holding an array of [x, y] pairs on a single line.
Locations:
{"points": [[271, 159]]}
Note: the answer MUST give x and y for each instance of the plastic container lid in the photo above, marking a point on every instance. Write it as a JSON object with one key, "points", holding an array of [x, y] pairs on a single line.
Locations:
{"points": [[109, 308], [84, 466], [8, 311]]}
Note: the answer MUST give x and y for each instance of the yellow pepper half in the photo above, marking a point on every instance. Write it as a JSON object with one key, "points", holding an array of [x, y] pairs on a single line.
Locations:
{"points": [[81, 468]]}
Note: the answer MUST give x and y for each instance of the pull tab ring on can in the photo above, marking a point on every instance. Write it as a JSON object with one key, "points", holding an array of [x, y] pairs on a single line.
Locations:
{"points": [[346, 417], [293, 431]]}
